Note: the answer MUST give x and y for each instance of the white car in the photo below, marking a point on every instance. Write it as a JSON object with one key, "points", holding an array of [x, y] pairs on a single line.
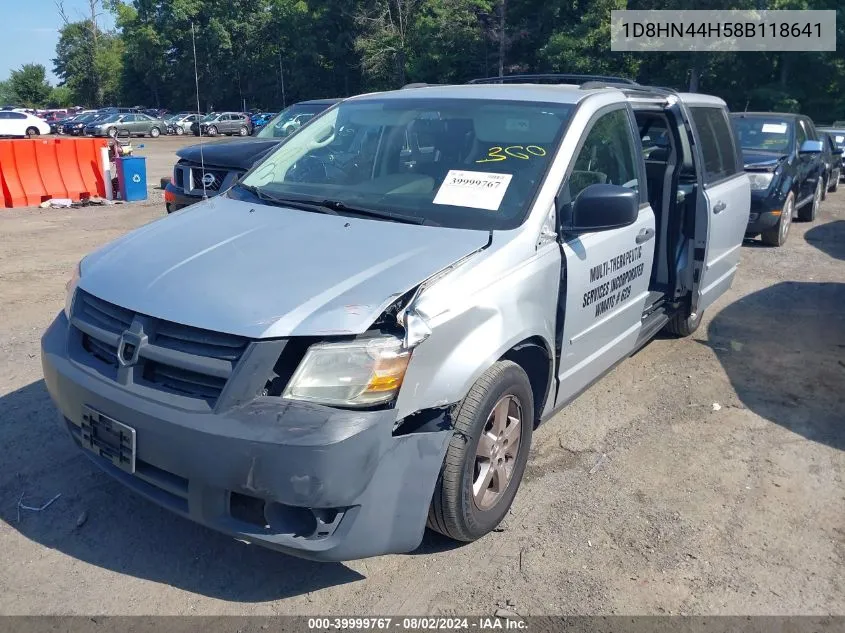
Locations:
{"points": [[21, 124]]}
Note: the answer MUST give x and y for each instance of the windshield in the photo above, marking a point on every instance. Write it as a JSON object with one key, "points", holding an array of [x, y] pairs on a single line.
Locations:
{"points": [[210, 117], [467, 163], [289, 120], [838, 137], [765, 134], [109, 119]]}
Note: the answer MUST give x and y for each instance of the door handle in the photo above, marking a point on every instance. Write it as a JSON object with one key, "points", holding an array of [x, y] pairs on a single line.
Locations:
{"points": [[719, 207], [645, 235]]}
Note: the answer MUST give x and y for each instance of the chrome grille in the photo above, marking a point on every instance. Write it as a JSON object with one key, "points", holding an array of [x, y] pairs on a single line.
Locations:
{"points": [[177, 358], [212, 179]]}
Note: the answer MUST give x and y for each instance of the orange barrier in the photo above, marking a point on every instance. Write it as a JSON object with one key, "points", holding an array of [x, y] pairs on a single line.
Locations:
{"points": [[35, 170]]}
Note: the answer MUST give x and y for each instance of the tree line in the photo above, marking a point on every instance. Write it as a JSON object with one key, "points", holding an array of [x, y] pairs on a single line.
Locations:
{"points": [[266, 53]]}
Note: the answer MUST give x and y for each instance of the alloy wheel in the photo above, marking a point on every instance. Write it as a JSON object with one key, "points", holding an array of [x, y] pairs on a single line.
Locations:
{"points": [[497, 450]]}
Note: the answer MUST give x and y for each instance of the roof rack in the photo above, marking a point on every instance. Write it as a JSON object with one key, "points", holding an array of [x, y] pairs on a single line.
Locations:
{"points": [[553, 78]]}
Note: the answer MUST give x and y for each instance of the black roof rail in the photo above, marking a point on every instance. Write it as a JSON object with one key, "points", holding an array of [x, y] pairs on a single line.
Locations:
{"points": [[552, 78]]}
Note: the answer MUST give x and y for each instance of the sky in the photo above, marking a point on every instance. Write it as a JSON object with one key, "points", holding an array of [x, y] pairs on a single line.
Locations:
{"points": [[31, 31]]}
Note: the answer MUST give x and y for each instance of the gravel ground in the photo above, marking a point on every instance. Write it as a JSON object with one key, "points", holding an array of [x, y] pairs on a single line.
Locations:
{"points": [[702, 476]]}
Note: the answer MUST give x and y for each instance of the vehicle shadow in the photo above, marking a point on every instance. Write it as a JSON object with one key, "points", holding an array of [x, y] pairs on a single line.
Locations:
{"points": [[783, 349], [98, 521], [828, 238]]}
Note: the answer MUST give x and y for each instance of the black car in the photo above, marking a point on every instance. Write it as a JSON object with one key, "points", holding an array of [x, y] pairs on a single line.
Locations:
{"points": [[837, 136], [832, 157], [207, 169], [783, 156], [76, 125]]}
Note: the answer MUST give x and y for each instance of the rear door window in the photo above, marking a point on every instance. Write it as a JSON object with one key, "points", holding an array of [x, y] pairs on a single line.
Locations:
{"points": [[717, 143]]}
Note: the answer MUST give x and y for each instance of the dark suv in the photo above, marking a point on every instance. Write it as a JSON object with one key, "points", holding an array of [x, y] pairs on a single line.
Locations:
{"points": [[836, 135], [783, 156], [205, 170]]}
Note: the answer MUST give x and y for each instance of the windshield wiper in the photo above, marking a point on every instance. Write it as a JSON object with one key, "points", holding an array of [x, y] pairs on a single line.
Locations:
{"points": [[339, 205], [293, 203]]}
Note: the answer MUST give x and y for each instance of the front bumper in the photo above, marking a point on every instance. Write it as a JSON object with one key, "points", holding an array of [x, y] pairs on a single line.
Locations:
{"points": [[175, 198], [766, 207], [308, 480]]}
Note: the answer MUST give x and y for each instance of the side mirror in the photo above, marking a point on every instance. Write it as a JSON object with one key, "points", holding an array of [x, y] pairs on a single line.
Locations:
{"points": [[602, 207], [811, 147]]}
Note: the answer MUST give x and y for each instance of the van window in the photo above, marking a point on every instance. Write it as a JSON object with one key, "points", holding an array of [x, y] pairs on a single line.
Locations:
{"points": [[717, 144], [607, 156], [462, 163]]}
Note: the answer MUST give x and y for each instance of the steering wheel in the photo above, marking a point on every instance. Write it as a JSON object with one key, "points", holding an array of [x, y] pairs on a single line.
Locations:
{"points": [[307, 169]]}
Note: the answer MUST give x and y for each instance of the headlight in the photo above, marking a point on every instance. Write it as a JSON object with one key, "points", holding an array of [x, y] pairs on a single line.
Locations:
{"points": [[350, 374], [760, 181], [70, 288]]}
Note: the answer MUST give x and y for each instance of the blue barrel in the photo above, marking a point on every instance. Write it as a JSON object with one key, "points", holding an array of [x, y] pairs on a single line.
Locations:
{"points": [[132, 177]]}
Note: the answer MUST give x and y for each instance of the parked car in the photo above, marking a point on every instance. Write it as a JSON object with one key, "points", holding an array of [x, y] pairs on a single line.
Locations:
{"points": [[76, 125], [206, 170], [229, 123], [358, 339], [260, 119], [21, 124], [838, 137], [782, 153], [832, 158], [180, 123], [134, 124]]}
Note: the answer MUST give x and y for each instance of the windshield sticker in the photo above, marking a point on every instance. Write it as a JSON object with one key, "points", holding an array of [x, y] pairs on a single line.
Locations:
{"points": [[475, 189], [774, 128], [522, 152]]}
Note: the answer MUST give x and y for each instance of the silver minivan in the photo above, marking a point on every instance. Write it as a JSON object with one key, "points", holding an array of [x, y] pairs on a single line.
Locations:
{"points": [[357, 340]]}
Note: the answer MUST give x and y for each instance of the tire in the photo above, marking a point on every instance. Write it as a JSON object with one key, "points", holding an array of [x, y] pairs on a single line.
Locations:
{"points": [[682, 324], [179, 130], [807, 213], [455, 510], [32, 131], [112, 132], [212, 130], [154, 132], [777, 235], [243, 131], [833, 187]]}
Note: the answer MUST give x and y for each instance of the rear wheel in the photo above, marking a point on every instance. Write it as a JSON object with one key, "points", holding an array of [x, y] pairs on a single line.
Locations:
{"points": [[683, 324], [154, 132], [32, 131], [807, 213], [486, 456], [776, 236]]}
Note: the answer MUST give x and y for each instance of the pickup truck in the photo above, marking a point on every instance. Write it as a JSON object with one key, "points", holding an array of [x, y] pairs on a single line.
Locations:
{"points": [[358, 339]]}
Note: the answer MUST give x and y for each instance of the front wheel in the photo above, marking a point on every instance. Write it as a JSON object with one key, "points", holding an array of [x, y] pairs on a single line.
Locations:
{"points": [[32, 131], [154, 132], [834, 186], [212, 130], [776, 236], [486, 456], [112, 132], [179, 130], [243, 131]]}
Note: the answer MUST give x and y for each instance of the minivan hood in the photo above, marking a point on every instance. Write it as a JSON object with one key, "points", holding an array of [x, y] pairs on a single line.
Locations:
{"points": [[232, 154], [264, 272], [755, 159]]}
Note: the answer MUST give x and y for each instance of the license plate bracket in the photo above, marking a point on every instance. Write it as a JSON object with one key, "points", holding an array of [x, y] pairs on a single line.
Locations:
{"points": [[108, 438]]}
